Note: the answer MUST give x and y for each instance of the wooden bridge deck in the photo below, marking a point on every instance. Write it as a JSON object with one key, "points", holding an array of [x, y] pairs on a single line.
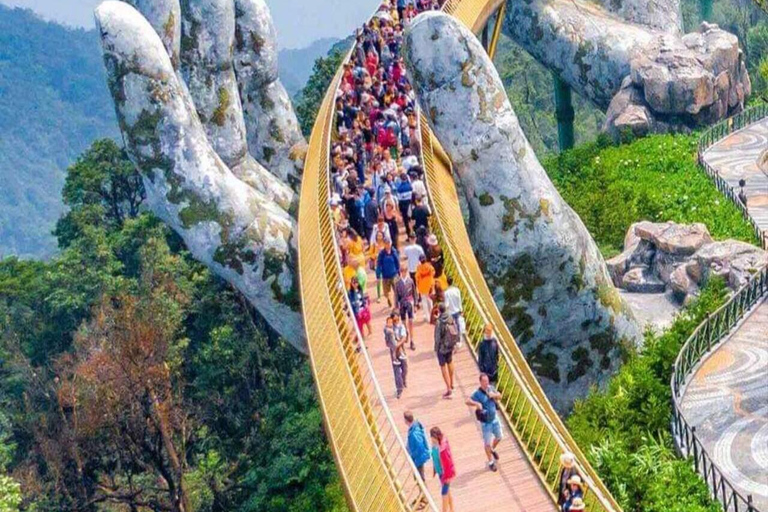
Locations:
{"points": [[516, 486]]}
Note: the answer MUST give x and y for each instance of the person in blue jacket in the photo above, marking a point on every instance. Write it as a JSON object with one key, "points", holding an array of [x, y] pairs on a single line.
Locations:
{"points": [[388, 268], [418, 442]]}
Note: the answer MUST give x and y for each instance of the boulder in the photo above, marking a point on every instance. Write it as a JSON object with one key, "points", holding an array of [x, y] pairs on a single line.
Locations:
{"points": [[642, 280], [733, 260], [674, 238], [682, 257]]}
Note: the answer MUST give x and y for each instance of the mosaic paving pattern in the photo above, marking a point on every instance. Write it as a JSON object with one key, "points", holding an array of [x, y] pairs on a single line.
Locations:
{"points": [[736, 158], [727, 402]]}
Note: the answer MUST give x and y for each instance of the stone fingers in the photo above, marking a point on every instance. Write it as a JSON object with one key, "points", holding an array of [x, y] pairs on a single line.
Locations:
{"points": [[237, 231], [207, 65], [540, 262], [273, 133], [165, 18]]}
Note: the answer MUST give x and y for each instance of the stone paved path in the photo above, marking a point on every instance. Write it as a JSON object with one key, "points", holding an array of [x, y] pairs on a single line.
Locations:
{"points": [[735, 157], [727, 402]]}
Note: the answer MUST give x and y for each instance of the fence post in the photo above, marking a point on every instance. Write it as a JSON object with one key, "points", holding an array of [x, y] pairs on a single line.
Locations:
{"points": [[749, 504], [695, 450]]}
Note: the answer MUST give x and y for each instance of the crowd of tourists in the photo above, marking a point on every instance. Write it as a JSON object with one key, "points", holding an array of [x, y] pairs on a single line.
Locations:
{"points": [[381, 212]]}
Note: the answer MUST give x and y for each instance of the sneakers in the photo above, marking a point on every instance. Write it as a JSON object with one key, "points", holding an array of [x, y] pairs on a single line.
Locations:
{"points": [[413, 347], [495, 454], [492, 467]]}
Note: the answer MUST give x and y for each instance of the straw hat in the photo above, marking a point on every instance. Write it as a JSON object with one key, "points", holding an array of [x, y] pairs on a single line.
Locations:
{"points": [[432, 240], [567, 460], [577, 504], [574, 480]]}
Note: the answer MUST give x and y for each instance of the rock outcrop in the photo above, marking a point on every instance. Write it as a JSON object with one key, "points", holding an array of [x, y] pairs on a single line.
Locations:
{"points": [[185, 130], [661, 256], [546, 272], [633, 62]]}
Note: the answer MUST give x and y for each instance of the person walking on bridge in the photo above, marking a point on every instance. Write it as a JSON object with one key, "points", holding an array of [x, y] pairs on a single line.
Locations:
{"points": [[453, 303], [446, 339], [405, 299], [567, 463], [485, 403], [418, 449], [488, 354], [442, 465], [387, 265]]}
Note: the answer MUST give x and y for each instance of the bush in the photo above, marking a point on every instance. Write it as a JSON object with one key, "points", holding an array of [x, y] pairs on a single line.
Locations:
{"points": [[625, 428], [655, 178]]}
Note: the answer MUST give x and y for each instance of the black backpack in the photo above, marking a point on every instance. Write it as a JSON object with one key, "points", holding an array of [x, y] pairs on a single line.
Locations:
{"points": [[481, 414]]}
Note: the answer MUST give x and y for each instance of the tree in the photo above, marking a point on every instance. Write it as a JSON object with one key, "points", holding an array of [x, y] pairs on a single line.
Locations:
{"points": [[311, 96], [101, 187]]}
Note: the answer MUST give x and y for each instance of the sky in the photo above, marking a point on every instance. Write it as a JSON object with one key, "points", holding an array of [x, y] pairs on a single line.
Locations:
{"points": [[299, 22]]}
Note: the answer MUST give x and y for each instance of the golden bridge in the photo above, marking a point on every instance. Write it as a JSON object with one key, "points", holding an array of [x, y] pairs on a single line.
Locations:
{"points": [[365, 431]]}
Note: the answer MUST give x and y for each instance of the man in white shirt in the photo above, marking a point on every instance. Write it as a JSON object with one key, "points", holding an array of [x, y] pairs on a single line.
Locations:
{"points": [[413, 252], [453, 303]]}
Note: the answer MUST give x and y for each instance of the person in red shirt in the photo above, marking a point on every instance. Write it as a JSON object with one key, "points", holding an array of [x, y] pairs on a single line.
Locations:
{"points": [[442, 465]]}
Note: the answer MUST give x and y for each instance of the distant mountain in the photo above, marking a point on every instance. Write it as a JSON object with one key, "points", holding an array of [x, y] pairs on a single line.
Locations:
{"points": [[53, 103], [296, 65]]}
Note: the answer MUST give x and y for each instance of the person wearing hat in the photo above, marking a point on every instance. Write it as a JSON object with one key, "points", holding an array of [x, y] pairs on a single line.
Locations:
{"points": [[568, 470], [577, 505], [575, 492], [435, 256]]}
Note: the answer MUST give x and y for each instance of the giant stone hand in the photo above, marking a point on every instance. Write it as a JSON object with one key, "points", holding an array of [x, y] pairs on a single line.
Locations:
{"points": [[631, 60], [545, 271], [212, 131]]}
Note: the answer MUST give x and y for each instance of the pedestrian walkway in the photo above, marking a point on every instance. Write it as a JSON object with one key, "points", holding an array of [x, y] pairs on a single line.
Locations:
{"points": [[515, 487], [727, 402], [736, 157]]}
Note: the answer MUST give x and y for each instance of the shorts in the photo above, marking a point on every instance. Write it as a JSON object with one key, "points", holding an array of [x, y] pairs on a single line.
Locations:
{"points": [[445, 488], [444, 359], [406, 311], [492, 430], [389, 285]]}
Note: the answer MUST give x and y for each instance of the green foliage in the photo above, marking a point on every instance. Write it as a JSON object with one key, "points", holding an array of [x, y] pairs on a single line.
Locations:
{"points": [[10, 494], [311, 96], [255, 438], [655, 178], [624, 428], [53, 103], [530, 88]]}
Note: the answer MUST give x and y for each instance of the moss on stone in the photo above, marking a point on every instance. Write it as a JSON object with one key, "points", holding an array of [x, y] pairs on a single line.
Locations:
{"points": [[268, 153], [544, 207], [514, 212], [485, 199], [585, 47], [257, 42], [220, 114], [582, 362], [275, 132], [544, 363], [609, 297]]}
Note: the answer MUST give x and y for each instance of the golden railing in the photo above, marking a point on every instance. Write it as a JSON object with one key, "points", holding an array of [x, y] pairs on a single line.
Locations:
{"points": [[374, 466], [526, 408], [373, 463]]}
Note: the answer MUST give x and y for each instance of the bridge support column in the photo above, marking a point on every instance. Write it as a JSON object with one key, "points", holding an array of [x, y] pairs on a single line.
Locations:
{"points": [[705, 10], [563, 113], [491, 46]]}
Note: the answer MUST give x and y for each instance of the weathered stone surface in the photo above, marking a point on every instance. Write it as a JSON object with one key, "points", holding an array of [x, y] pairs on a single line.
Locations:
{"points": [[549, 278], [639, 69], [682, 257], [241, 232], [672, 238], [733, 260], [273, 133], [165, 18], [641, 280]]}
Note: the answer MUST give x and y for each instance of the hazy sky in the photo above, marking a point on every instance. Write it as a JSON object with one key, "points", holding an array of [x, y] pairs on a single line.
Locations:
{"points": [[299, 22]]}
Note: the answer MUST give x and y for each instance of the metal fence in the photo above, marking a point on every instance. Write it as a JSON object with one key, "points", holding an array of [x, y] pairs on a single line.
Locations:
{"points": [[706, 336], [715, 134], [716, 327]]}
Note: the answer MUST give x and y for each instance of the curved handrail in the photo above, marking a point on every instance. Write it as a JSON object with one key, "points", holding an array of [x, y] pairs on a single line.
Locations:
{"points": [[534, 421], [707, 336], [716, 327], [375, 468], [715, 134]]}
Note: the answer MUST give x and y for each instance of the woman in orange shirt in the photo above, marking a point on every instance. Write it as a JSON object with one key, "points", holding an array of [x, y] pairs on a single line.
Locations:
{"points": [[425, 282], [373, 255]]}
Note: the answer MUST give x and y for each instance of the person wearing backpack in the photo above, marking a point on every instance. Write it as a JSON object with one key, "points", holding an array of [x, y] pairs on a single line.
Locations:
{"points": [[485, 403], [446, 338]]}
